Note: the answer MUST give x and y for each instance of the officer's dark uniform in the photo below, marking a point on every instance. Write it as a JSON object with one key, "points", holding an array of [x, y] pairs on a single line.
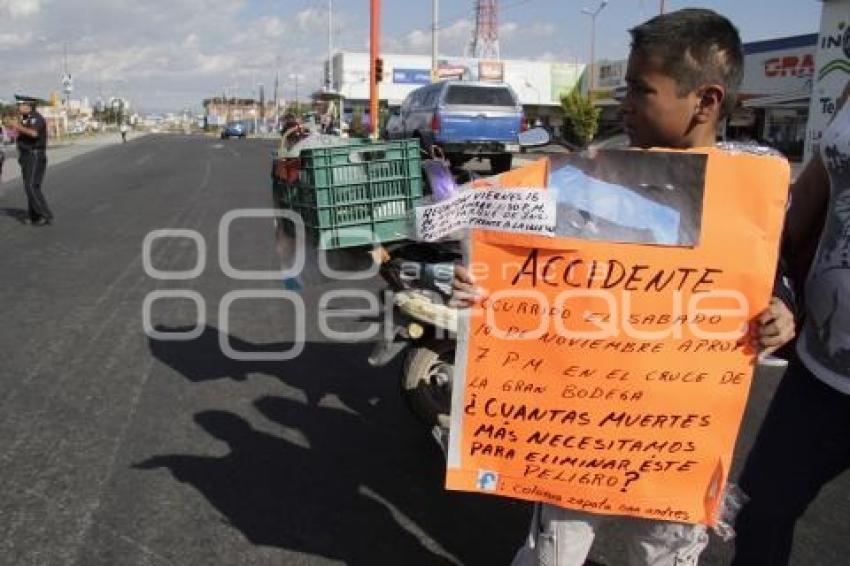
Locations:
{"points": [[32, 157]]}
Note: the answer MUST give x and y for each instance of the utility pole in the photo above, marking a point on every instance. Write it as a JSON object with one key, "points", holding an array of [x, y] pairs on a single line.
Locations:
{"points": [[67, 83], [435, 35], [330, 77], [276, 82], [661, 7], [262, 89], [254, 98], [593, 13], [297, 108], [374, 53]]}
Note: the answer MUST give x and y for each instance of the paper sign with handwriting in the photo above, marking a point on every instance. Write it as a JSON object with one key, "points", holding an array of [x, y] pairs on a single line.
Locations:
{"points": [[612, 377], [523, 210]]}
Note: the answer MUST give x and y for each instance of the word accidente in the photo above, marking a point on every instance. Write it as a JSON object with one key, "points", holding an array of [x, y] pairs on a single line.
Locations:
{"points": [[563, 270]]}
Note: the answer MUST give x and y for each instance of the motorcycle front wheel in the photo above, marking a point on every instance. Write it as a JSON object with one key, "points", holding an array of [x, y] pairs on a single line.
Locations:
{"points": [[427, 381]]}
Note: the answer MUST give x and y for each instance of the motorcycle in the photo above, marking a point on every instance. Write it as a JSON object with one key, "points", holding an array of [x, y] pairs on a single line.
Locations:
{"points": [[420, 320]]}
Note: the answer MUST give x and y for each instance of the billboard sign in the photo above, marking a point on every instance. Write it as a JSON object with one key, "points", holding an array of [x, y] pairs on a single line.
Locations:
{"points": [[412, 76], [491, 71], [832, 70]]}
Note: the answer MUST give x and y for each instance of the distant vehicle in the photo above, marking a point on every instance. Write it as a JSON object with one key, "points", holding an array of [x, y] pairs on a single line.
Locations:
{"points": [[465, 119], [233, 130]]}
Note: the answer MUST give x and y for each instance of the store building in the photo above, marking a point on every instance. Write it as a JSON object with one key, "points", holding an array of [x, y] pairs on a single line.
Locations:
{"points": [[776, 92], [538, 84]]}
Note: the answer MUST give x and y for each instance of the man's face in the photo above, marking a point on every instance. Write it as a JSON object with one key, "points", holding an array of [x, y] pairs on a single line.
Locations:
{"points": [[654, 115], [24, 108]]}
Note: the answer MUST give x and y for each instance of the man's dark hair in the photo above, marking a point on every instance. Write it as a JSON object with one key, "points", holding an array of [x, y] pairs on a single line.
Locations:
{"points": [[697, 47]]}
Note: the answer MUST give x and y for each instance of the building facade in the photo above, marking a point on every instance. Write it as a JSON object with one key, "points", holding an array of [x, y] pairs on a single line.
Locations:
{"points": [[539, 85]]}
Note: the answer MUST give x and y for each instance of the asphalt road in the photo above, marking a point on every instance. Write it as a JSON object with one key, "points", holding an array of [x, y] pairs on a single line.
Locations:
{"points": [[117, 449]]}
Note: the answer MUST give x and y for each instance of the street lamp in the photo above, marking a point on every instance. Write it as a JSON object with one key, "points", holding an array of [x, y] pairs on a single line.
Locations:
{"points": [[593, 14], [294, 76]]}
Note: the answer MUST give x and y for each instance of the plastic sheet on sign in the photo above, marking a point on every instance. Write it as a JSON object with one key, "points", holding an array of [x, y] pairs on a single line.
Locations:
{"points": [[733, 501], [629, 197]]}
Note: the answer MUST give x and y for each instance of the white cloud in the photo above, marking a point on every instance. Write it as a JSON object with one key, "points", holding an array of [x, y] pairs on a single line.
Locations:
{"points": [[311, 20], [19, 8], [540, 29], [8, 40], [508, 28], [172, 53], [461, 30], [418, 40], [453, 39], [274, 27]]}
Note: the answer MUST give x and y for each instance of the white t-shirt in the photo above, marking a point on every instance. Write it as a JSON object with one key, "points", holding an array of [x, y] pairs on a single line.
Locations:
{"points": [[824, 346]]}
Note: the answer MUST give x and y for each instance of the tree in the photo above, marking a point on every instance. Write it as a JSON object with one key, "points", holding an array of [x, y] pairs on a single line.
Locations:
{"points": [[582, 116], [7, 110], [357, 128], [107, 115], [298, 109]]}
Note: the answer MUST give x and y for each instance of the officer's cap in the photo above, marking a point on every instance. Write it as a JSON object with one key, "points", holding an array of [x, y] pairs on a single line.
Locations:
{"points": [[31, 100]]}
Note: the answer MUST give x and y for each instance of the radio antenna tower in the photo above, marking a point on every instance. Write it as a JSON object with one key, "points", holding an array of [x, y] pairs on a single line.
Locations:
{"points": [[485, 37]]}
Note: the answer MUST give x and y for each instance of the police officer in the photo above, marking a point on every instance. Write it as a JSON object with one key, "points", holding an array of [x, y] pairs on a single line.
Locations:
{"points": [[32, 145]]}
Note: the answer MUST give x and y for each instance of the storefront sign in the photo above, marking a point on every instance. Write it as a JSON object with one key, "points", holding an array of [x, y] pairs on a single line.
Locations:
{"points": [[833, 70], [412, 76], [491, 71]]}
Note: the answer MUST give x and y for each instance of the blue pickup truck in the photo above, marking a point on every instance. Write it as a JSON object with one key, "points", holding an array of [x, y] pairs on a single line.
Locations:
{"points": [[465, 119]]}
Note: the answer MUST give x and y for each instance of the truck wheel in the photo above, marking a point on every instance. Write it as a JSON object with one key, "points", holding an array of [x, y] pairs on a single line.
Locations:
{"points": [[501, 163], [427, 381]]}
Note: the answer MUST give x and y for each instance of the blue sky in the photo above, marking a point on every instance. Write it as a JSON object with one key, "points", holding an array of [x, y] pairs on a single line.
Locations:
{"points": [[170, 54], [571, 35]]}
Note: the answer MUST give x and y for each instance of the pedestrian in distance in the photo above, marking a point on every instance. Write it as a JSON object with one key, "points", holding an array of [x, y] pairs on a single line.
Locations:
{"points": [[31, 131], [804, 441], [2, 151], [124, 128], [684, 70]]}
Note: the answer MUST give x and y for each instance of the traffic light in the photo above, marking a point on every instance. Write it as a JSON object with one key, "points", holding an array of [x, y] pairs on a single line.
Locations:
{"points": [[379, 70]]}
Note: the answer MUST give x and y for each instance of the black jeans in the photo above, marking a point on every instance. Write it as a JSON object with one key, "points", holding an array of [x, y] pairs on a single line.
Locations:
{"points": [[33, 165], [803, 443]]}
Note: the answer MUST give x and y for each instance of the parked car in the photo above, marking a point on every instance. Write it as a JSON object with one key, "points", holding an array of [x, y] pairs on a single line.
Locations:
{"points": [[233, 130], [465, 119]]}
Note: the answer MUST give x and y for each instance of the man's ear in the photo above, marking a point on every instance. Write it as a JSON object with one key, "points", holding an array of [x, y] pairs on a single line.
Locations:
{"points": [[710, 103]]}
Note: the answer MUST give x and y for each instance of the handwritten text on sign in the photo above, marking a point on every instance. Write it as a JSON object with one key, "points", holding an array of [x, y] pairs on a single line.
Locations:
{"points": [[612, 378], [506, 209]]}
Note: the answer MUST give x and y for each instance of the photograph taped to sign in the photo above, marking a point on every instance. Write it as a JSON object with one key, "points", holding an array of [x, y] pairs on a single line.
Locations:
{"points": [[612, 377], [628, 196]]}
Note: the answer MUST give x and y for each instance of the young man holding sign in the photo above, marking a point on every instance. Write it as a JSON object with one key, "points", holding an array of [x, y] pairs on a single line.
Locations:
{"points": [[683, 73]]}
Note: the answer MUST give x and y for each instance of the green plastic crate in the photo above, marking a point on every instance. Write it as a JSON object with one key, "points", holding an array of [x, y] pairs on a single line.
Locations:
{"points": [[353, 165], [357, 194]]}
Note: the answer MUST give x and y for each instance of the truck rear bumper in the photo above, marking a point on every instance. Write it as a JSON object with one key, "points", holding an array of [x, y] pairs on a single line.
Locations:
{"points": [[478, 148]]}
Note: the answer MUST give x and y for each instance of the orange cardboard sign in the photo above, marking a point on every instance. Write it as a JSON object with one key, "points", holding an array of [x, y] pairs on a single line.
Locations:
{"points": [[612, 377]]}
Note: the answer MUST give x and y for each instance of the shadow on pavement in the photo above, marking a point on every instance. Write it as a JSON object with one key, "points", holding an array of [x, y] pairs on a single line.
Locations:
{"points": [[351, 476], [19, 214], [344, 370]]}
